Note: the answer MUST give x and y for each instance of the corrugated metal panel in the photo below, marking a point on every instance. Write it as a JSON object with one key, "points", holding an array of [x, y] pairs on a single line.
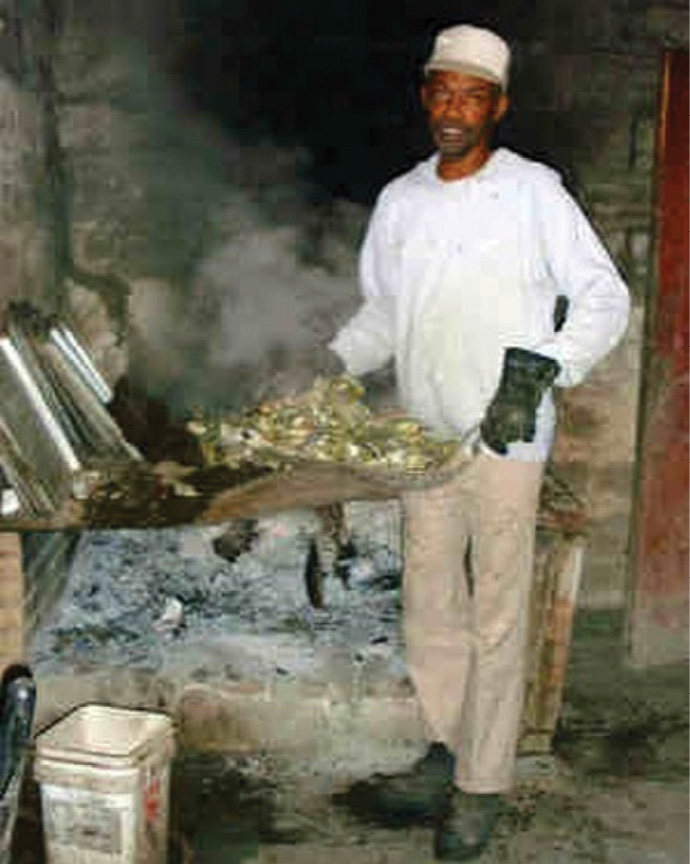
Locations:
{"points": [[54, 423]]}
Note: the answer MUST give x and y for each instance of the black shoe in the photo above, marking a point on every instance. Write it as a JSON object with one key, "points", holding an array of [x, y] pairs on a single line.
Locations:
{"points": [[466, 825], [415, 796]]}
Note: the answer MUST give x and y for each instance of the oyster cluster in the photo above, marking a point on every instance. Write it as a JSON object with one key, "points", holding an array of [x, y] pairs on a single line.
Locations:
{"points": [[327, 423]]}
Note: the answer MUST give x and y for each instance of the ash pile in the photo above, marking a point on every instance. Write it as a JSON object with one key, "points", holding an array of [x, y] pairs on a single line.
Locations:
{"points": [[230, 601]]}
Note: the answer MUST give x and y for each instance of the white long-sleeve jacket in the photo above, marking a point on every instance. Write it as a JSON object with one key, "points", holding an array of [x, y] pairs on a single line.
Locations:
{"points": [[453, 273]]}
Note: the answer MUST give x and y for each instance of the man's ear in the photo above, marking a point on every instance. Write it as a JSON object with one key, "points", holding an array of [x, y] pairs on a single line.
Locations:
{"points": [[424, 93], [502, 105]]}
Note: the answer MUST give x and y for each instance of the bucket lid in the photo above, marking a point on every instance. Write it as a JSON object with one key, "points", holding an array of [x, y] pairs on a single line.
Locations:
{"points": [[98, 734]]}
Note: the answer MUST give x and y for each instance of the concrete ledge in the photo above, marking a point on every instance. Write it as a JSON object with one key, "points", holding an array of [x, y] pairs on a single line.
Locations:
{"points": [[299, 720]]}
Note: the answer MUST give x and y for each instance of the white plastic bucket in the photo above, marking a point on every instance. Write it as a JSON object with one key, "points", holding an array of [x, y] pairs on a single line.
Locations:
{"points": [[104, 775]]}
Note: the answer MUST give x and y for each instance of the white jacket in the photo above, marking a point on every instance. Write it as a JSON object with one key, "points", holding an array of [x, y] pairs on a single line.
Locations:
{"points": [[453, 273]]}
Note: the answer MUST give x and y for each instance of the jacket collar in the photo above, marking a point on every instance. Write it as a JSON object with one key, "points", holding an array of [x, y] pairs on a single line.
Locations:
{"points": [[496, 166]]}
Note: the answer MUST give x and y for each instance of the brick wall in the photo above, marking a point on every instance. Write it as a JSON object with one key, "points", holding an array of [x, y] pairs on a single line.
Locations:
{"points": [[12, 641], [34, 568]]}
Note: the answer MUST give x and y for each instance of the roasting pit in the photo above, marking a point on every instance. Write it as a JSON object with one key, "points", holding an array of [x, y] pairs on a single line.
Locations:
{"points": [[317, 579]]}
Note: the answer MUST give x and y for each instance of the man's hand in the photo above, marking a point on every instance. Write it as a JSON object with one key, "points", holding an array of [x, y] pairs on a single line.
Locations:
{"points": [[298, 371], [512, 413], [327, 363]]}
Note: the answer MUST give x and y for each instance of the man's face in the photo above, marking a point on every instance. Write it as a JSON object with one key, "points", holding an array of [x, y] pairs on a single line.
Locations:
{"points": [[462, 111]]}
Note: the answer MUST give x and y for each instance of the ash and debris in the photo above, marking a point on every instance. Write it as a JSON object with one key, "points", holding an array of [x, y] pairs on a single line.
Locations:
{"points": [[229, 600]]}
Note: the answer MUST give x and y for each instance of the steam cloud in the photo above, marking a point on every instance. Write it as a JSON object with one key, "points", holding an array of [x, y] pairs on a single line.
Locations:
{"points": [[279, 280]]}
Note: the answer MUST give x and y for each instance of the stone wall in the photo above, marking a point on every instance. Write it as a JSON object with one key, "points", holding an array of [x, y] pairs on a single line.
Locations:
{"points": [[28, 237]]}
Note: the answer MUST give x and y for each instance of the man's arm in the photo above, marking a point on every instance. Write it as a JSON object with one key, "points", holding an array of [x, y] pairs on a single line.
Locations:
{"points": [[598, 299], [588, 321], [366, 342]]}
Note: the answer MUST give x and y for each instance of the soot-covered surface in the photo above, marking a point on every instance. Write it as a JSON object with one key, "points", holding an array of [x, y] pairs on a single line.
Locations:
{"points": [[226, 810]]}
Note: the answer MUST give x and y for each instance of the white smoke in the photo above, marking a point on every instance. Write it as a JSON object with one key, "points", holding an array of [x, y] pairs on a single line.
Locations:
{"points": [[268, 297], [279, 280]]}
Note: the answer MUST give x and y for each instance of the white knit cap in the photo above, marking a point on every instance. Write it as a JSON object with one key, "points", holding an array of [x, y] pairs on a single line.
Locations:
{"points": [[473, 50]]}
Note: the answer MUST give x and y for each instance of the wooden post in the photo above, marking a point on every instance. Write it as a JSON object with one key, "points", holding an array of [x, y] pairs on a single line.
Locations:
{"points": [[554, 602]]}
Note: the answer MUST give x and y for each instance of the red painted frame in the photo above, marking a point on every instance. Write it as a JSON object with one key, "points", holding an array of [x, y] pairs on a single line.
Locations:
{"points": [[658, 603]]}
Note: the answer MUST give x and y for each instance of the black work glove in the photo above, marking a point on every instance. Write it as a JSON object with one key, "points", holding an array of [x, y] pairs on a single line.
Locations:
{"points": [[512, 413]]}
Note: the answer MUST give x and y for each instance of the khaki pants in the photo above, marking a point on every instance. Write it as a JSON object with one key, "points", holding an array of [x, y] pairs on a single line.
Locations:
{"points": [[468, 569]]}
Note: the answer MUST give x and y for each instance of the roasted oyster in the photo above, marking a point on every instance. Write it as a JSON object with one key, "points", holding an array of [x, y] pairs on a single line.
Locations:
{"points": [[328, 423]]}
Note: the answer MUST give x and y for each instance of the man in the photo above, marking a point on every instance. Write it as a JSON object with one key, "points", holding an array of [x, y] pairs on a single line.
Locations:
{"points": [[464, 262]]}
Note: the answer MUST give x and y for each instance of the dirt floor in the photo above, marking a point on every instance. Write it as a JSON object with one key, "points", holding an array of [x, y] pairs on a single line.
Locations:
{"points": [[619, 796]]}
